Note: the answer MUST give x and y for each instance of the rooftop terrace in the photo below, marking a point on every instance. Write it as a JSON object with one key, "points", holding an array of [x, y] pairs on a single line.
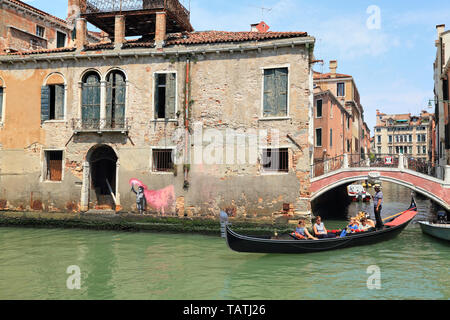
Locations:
{"points": [[140, 15]]}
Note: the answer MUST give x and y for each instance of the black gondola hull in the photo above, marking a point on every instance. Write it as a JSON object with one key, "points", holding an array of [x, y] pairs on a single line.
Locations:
{"points": [[241, 243]]}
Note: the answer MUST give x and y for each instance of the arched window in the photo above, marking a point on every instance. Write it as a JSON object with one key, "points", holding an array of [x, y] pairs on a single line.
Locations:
{"points": [[115, 99], [90, 101], [53, 98]]}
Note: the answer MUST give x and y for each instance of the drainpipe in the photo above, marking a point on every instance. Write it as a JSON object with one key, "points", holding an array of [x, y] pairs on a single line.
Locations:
{"points": [[186, 121]]}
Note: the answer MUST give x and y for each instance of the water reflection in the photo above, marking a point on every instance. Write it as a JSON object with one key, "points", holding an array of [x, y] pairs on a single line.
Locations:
{"points": [[33, 264]]}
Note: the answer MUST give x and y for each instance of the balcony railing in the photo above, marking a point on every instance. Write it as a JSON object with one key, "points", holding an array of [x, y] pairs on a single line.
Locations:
{"points": [[100, 125], [402, 161], [98, 10], [101, 6]]}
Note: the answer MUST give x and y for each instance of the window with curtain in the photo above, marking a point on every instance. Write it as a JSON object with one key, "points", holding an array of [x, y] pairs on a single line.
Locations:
{"points": [[115, 99], [90, 101]]}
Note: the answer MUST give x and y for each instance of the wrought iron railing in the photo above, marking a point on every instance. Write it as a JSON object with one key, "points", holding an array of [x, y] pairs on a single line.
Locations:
{"points": [[384, 160], [98, 6], [100, 125], [324, 166], [432, 169]]}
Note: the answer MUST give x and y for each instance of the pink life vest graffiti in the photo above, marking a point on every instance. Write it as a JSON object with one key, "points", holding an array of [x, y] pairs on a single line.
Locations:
{"points": [[162, 200]]}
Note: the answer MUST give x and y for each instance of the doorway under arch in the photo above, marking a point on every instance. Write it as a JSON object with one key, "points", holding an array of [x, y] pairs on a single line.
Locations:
{"points": [[102, 161]]}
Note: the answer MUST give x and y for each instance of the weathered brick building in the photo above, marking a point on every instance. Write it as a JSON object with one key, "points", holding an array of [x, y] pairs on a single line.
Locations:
{"points": [[82, 124], [24, 28]]}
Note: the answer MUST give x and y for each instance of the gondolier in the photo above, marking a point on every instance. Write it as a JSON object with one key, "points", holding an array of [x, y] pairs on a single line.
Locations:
{"points": [[378, 206]]}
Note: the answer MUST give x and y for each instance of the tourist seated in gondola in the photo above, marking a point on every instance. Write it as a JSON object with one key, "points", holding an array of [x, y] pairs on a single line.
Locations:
{"points": [[301, 232], [319, 229], [365, 226], [369, 221], [353, 226]]}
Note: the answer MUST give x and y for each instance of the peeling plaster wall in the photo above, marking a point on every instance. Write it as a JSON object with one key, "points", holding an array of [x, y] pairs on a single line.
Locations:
{"points": [[24, 29], [226, 93]]}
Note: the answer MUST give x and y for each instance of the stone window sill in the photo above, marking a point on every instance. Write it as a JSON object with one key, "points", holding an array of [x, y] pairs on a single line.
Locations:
{"points": [[275, 119]]}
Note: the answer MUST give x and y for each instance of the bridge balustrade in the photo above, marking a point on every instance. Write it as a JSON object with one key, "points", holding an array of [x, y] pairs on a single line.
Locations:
{"points": [[401, 161]]}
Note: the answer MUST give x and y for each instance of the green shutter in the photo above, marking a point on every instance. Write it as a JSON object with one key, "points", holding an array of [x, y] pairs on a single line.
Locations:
{"points": [[281, 76], [45, 103], [121, 90], [269, 93], [59, 102], [90, 110], [171, 83], [1, 103], [109, 101]]}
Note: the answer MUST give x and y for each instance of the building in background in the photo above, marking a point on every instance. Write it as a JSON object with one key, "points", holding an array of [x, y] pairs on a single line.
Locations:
{"points": [[372, 146], [366, 139], [441, 95], [24, 28], [332, 126], [343, 88], [404, 134]]}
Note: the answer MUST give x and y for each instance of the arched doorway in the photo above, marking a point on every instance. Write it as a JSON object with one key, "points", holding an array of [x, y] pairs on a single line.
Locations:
{"points": [[103, 172]]}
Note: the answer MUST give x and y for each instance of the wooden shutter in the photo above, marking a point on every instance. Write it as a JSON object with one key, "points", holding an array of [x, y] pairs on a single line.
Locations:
{"points": [[90, 109], [109, 100], [171, 83], [281, 77], [54, 165], [45, 103], [55, 168], [59, 102], [1, 103], [269, 93], [120, 97], [156, 93]]}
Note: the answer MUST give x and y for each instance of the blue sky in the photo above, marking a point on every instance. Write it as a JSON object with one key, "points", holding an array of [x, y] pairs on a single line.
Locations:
{"points": [[392, 65]]}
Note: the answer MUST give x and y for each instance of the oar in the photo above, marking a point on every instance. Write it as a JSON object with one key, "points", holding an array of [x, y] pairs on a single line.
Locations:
{"points": [[394, 216]]}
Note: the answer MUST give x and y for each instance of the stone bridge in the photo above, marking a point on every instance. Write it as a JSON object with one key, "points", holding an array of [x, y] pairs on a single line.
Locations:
{"points": [[436, 188]]}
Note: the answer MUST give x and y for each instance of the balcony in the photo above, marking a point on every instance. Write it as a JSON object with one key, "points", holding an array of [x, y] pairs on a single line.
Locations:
{"points": [[100, 126], [140, 15]]}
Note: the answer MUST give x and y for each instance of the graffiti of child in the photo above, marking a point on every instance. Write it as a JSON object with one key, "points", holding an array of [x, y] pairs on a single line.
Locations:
{"points": [[140, 199]]}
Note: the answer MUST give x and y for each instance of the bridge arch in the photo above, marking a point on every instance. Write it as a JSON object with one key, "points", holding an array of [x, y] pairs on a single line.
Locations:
{"points": [[430, 187]]}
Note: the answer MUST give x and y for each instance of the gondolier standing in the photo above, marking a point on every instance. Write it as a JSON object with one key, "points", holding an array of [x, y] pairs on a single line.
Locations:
{"points": [[378, 206]]}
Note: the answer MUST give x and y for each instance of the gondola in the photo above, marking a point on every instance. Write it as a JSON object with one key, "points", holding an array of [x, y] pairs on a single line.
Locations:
{"points": [[392, 228]]}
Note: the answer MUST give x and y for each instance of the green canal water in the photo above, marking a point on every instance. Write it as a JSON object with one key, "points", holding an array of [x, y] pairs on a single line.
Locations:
{"points": [[115, 265]]}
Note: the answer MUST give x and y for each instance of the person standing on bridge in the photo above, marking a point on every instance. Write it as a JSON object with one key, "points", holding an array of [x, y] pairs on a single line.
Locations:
{"points": [[378, 206]]}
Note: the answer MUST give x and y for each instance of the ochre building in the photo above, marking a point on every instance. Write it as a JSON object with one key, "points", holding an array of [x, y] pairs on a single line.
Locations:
{"points": [[205, 121]]}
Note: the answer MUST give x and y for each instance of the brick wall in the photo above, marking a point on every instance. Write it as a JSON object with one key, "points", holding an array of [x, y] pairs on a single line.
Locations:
{"points": [[226, 93]]}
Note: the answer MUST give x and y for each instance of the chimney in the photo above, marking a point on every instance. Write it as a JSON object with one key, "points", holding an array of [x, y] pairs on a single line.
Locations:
{"points": [[333, 68], [81, 39], [160, 29], [440, 30], [259, 27], [73, 12], [119, 31]]}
